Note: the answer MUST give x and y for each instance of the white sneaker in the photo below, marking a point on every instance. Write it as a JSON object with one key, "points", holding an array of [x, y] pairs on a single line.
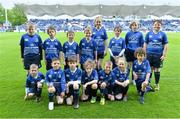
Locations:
{"points": [[51, 105], [69, 101]]}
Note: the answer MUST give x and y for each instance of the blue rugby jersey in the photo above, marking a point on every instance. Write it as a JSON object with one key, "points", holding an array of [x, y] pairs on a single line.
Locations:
{"points": [[117, 45], [100, 35], [31, 82], [70, 50], [155, 42], [31, 45], [87, 50], [120, 75], [141, 69], [52, 48], [56, 78], [134, 40], [91, 77], [73, 76], [109, 79]]}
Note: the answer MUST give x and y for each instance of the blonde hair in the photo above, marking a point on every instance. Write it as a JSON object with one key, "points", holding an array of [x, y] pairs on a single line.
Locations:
{"points": [[33, 66], [31, 25], [88, 28], [122, 59], [109, 63], [89, 63], [132, 23]]}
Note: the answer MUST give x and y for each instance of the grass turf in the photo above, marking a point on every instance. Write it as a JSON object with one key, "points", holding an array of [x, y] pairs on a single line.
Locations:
{"points": [[162, 104]]}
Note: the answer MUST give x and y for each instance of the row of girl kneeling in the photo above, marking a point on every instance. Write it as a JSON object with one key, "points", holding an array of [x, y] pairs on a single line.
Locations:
{"points": [[65, 85]]}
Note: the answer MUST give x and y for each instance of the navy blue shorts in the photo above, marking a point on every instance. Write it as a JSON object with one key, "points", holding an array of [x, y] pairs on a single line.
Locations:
{"points": [[154, 60], [32, 60], [48, 64], [58, 88], [108, 89], [71, 91], [120, 89], [129, 54], [100, 55]]}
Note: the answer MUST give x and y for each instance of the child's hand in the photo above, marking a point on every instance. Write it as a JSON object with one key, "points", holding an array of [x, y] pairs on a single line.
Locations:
{"points": [[135, 76], [84, 86], [62, 94], [39, 84]]}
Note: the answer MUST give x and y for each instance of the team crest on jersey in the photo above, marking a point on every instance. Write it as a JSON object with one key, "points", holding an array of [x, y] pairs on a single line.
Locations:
{"points": [[101, 77], [50, 76], [83, 44], [66, 47], [113, 42], [25, 39], [31, 45], [150, 36], [56, 43], [47, 43], [36, 40], [67, 75]]}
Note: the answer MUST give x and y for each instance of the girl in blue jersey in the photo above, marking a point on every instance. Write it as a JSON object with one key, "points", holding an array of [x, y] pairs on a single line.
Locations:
{"points": [[31, 47], [100, 37], [122, 80], [106, 82], [156, 44], [34, 83], [89, 82], [141, 72], [70, 48], [116, 46], [52, 48], [87, 48], [133, 39], [56, 83], [73, 81]]}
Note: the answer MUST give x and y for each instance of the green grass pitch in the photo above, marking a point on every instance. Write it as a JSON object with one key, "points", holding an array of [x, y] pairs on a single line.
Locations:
{"points": [[162, 104]]}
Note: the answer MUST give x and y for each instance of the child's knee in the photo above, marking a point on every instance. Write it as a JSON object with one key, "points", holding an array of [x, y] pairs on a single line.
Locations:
{"points": [[51, 89], [76, 86], [94, 86], [69, 100], [60, 99], [103, 85]]}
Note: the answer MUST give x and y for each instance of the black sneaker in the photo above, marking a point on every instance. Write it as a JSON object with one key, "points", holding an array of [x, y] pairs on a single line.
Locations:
{"points": [[141, 100]]}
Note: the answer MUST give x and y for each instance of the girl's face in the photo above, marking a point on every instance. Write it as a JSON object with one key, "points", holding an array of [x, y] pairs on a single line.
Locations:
{"points": [[31, 30], [140, 57], [70, 36], [88, 33], [72, 65], [121, 64], [98, 23], [89, 69], [108, 68], [33, 72], [157, 26], [134, 27], [52, 33], [117, 32], [56, 64]]}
